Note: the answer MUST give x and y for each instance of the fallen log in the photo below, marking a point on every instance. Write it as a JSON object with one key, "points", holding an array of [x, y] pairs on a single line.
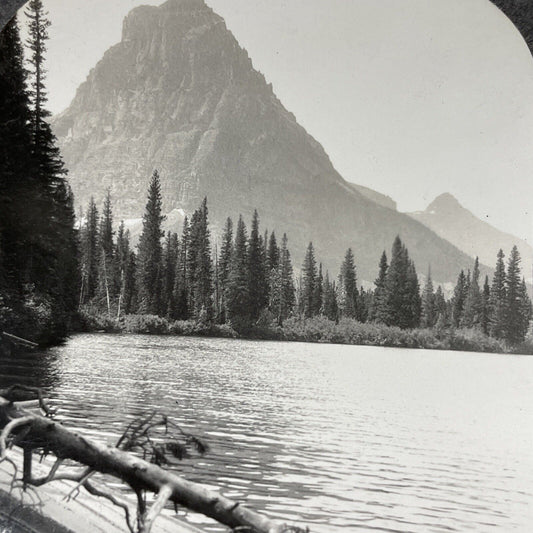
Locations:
{"points": [[32, 431]]}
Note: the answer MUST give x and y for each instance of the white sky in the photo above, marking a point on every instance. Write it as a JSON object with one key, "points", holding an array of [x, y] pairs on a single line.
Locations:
{"points": [[412, 98]]}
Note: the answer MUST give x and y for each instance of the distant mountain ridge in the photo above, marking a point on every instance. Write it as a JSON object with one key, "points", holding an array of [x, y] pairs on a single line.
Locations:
{"points": [[453, 222], [179, 94]]}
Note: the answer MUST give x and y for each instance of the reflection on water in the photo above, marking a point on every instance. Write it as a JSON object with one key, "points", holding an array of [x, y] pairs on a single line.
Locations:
{"points": [[341, 438]]}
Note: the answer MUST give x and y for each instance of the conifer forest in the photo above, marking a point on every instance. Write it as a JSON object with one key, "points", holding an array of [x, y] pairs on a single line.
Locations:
{"points": [[250, 285]]}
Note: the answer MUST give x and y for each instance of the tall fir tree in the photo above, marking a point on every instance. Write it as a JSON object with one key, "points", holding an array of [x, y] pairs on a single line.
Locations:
{"points": [[485, 315], [402, 297], [200, 265], [180, 292], [106, 261], [257, 275], [170, 260], [308, 304], [516, 301], [378, 311], [458, 300], [348, 286], [330, 306], [149, 275], [237, 295], [498, 298], [89, 254], [473, 305], [429, 316], [224, 266]]}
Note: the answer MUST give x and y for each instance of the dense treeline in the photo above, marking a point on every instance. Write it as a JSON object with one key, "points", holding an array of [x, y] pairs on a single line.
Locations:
{"points": [[38, 242], [248, 283]]}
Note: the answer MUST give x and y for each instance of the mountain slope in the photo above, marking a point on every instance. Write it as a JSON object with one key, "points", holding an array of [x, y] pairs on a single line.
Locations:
{"points": [[179, 94], [451, 221]]}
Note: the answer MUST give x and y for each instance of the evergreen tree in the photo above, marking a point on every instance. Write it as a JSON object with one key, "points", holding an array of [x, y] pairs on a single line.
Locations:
{"points": [[402, 297], [473, 306], [257, 276], [237, 295], [330, 306], [224, 266], [130, 297], [429, 315], [180, 304], [273, 253], [149, 276], [106, 275], [441, 309], [170, 259], [319, 287], [364, 304], [458, 300], [485, 314], [497, 301], [517, 314], [121, 260], [348, 286], [89, 254], [308, 304], [378, 310], [413, 301], [288, 293]]}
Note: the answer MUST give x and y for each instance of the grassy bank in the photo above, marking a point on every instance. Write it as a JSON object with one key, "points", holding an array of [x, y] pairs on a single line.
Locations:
{"points": [[317, 329]]}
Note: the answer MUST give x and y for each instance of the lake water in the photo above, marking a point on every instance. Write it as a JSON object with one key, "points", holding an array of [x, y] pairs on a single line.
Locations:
{"points": [[341, 438]]}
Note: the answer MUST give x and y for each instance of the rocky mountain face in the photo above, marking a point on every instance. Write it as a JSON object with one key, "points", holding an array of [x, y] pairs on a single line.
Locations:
{"points": [[179, 94], [453, 222]]}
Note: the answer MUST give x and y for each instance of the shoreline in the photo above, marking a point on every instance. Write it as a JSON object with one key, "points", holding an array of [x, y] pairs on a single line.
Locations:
{"points": [[318, 330]]}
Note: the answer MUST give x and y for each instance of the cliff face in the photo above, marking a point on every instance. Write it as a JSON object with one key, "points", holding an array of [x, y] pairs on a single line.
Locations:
{"points": [[179, 94], [453, 222]]}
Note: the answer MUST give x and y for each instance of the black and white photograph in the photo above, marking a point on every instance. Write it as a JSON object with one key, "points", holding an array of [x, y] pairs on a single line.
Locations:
{"points": [[266, 266]]}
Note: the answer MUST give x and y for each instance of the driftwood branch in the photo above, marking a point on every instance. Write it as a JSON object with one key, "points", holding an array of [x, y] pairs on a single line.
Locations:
{"points": [[143, 476]]}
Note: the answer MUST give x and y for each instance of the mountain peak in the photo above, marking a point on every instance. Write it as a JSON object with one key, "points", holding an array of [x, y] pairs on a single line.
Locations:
{"points": [[444, 202]]}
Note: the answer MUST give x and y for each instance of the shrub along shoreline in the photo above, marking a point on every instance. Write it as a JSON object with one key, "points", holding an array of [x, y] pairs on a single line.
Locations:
{"points": [[316, 329]]}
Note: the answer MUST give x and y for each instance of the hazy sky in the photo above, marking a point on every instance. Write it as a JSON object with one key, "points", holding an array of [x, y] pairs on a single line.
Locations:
{"points": [[412, 98]]}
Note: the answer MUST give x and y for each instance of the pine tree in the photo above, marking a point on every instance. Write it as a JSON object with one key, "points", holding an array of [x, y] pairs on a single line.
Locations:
{"points": [[106, 274], [402, 296], [237, 295], [89, 254], [54, 267], [413, 301], [458, 300], [348, 286], [308, 305], [429, 316], [273, 253], [18, 235], [441, 309], [130, 296], [485, 314], [473, 306], [330, 306], [288, 293], [516, 301], [121, 259], [149, 276], [378, 310], [257, 276], [180, 292], [319, 287], [224, 265], [170, 259], [498, 298]]}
